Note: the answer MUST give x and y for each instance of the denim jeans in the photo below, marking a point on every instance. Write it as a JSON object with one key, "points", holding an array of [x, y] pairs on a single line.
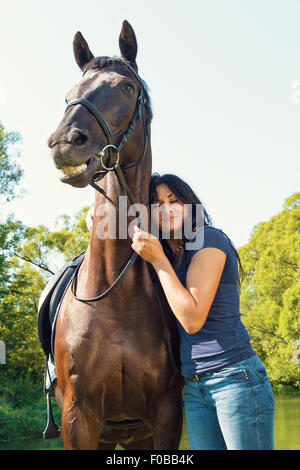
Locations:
{"points": [[231, 409]]}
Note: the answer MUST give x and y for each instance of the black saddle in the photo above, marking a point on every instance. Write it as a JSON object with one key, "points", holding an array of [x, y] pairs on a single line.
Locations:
{"points": [[50, 300], [49, 303]]}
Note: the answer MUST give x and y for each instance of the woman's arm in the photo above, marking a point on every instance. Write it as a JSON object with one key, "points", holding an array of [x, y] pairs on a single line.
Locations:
{"points": [[191, 304]]}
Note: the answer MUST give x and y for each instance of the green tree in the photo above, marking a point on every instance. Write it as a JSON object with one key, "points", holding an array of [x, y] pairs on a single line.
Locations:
{"points": [[11, 231], [10, 175], [18, 327], [10, 171], [38, 255], [270, 294]]}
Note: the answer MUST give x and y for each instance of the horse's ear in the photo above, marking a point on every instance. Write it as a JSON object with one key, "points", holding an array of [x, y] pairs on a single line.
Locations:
{"points": [[81, 50], [128, 44]]}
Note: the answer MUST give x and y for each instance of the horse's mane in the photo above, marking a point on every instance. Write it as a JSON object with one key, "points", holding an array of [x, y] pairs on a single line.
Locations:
{"points": [[99, 63]]}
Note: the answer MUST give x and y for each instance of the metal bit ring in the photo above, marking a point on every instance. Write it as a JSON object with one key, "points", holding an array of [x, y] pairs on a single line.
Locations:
{"points": [[102, 153]]}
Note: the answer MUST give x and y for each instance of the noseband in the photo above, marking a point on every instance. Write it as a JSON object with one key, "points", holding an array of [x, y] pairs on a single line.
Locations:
{"points": [[123, 136], [112, 146]]}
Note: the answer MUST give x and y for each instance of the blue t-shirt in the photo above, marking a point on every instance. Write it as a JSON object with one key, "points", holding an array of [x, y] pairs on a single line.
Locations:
{"points": [[223, 339]]}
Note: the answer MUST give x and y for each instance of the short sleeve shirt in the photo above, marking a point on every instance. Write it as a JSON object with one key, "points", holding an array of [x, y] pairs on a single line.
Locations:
{"points": [[223, 340]]}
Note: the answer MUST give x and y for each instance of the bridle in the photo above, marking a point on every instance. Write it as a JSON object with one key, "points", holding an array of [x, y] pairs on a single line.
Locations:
{"points": [[113, 146], [122, 136]]}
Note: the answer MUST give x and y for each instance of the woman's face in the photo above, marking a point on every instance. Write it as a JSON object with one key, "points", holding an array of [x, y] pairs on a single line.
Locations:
{"points": [[168, 211]]}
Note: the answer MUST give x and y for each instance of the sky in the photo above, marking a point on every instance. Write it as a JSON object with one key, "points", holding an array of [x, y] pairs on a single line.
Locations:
{"points": [[224, 79]]}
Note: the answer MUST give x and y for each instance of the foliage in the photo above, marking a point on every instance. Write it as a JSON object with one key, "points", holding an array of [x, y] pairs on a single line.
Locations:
{"points": [[10, 175], [35, 254], [270, 294], [18, 326], [23, 409], [11, 234], [10, 171]]}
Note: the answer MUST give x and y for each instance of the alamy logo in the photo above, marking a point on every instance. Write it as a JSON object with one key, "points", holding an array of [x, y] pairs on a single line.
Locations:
{"points": [[108, 219], [2, 353]]}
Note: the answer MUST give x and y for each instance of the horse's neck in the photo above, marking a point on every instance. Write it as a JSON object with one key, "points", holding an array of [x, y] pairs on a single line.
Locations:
{"points": [[107, 256]]}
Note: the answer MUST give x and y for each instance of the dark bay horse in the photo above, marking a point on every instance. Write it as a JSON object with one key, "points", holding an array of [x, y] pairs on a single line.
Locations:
{"points": [[111, 355]]}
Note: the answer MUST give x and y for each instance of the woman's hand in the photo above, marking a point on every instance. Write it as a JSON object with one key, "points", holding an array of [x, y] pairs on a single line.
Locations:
{"points": [[90, 218], [147, 246]]}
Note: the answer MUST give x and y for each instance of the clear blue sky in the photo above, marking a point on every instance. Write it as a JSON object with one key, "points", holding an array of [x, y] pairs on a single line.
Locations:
{"points": [[220, 74]]}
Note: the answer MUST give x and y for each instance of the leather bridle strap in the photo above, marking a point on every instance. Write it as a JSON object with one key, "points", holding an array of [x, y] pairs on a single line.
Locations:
{"points": [[118, 171], [131, 261], [110, 289], [101, 120], [111, 138]]}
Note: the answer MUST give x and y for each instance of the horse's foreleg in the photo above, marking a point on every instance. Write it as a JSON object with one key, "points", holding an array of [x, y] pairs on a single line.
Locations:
{"points": [[80, 425], [143, 444], [167, 425], [59, 396]]}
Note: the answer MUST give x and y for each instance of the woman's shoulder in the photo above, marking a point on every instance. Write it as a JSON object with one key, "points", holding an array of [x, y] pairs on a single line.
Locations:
{"points": [[209, 228], [208, 236]]}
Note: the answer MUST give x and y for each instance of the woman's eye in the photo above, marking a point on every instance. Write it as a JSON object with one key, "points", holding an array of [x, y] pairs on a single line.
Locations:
{"points": [[157, 204], [128, 89]]}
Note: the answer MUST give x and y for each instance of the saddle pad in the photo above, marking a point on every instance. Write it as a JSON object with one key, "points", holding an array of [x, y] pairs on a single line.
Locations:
{"points": [[50, 299]]}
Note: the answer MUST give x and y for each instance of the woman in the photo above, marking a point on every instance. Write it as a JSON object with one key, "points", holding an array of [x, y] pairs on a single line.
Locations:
{"points": [[228, 398]]}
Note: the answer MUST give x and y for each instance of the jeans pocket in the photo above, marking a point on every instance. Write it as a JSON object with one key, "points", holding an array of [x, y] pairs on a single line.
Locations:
{"points": [[261, 374], [235, 373]]}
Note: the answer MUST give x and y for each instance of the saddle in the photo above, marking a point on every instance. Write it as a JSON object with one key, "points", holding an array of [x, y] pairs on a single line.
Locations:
{"points": [[48, 308], [50, 301]]}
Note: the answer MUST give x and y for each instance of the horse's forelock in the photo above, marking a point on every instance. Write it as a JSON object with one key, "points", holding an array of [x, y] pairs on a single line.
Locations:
{"points": [[99, 63]]}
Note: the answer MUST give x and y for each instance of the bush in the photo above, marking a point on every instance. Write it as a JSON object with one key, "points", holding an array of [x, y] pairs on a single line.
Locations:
{"points": [[23, 409]]}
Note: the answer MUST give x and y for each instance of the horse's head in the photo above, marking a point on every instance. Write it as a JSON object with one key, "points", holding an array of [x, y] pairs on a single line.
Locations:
{"points": [[105, 107]]}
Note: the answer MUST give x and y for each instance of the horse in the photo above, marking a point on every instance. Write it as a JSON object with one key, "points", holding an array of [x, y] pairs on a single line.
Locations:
{"points": [[117, 380]]}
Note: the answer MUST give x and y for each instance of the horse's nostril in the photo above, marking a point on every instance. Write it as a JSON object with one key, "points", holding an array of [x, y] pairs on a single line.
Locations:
{"points": [[79, 138]]}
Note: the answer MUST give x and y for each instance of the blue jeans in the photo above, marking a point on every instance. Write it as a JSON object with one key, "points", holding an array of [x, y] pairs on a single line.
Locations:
{"points": [[231, 409]]}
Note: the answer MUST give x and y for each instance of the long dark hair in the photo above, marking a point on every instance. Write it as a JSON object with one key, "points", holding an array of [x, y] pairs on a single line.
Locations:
{"points": [[185, 194]]}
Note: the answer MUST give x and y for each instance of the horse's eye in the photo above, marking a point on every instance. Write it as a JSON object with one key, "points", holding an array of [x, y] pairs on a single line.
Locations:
{"points": [[66, 101], [128, 89]]}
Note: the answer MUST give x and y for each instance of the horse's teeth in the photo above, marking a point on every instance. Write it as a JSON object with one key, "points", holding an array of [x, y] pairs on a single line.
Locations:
{"points": [[73, 170]]}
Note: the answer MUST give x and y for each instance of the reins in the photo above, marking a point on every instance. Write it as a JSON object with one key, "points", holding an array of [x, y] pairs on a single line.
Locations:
{"points": [[111, 138]]}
